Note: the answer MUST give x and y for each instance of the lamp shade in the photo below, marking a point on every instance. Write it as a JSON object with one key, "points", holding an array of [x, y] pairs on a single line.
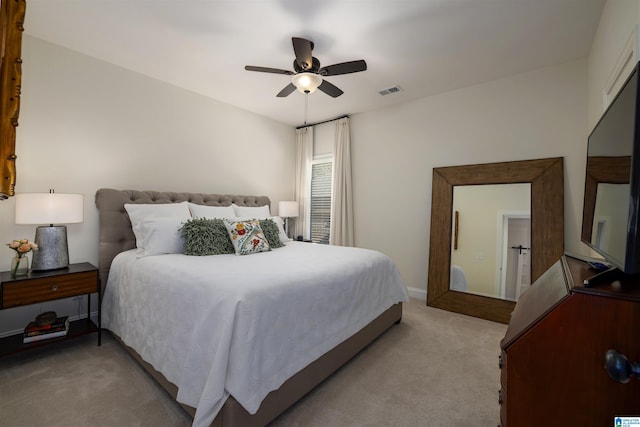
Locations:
{"points": [[288, 209], [306, 82], [49, 208]]}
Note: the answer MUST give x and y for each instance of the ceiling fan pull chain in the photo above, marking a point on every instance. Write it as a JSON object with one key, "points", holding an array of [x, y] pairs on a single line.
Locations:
{"points": [[306, 102]]}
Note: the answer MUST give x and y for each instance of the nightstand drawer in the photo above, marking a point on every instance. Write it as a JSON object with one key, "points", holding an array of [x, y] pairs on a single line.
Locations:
{"points": [[36, 290]]}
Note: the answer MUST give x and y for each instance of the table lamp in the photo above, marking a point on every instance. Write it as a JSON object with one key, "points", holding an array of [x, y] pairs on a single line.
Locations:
{"points": [[49, 208], [287, 210]]}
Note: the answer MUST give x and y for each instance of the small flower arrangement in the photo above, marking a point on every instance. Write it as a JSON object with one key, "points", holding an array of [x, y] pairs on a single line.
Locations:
{"points": [[22, 247], [19, 264]]}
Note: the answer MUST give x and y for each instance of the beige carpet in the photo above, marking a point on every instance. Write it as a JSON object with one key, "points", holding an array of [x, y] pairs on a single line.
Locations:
{"points": [[434, 369]]}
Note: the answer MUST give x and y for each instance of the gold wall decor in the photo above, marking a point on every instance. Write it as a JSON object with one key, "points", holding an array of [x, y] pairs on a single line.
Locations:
{"points": [[11, 28]]}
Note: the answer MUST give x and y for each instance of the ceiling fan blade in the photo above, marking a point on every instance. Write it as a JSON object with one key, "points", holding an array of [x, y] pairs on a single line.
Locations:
{"points": [[268, 70], [343, 68], [286, 91], [330, 89], [302, 48]]}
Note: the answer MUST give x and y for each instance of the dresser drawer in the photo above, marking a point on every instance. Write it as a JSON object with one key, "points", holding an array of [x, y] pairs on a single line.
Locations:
{"points": [[36, 290]]}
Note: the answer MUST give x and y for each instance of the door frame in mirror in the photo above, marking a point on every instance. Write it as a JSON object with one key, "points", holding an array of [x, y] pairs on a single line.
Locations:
{"points": [[546, 177]]}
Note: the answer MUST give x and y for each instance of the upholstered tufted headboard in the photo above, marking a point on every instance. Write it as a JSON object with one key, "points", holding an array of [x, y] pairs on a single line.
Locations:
{"points": [[115, 233]]}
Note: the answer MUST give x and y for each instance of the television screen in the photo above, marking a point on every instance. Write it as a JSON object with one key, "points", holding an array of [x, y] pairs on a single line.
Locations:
{"points": [[610, 215]]}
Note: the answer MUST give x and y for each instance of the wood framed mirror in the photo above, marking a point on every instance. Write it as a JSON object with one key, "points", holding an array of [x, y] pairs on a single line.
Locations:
{"points": [[547, 228], [11, 27]]}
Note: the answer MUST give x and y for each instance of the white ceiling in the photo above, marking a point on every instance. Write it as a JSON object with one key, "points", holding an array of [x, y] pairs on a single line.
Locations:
{"points": [[424, 46]]}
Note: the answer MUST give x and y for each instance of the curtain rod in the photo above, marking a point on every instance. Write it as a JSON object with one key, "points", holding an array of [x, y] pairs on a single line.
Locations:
{"points": [[326, 121]]}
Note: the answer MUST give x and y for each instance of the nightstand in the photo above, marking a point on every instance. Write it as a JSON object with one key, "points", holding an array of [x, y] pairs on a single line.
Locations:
{"points": [[43, 286]]}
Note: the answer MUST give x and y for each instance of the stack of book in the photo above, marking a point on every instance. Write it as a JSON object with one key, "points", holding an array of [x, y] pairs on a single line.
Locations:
{"points": [[34, 332]]}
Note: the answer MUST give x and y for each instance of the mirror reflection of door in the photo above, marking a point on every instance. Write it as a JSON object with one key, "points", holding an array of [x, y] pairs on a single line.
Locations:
{"points": [[491, 221], [515, 266]]}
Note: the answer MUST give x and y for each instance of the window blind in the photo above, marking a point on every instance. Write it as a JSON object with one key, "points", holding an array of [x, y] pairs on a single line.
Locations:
{"points": [[321, 177]]}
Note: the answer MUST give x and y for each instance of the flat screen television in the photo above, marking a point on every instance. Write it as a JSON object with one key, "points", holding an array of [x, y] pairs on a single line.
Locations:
{"points": [[612, 184]]}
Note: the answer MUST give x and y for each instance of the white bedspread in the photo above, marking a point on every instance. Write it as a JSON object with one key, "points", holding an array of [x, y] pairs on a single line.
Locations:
{"points": [[242, 325]]}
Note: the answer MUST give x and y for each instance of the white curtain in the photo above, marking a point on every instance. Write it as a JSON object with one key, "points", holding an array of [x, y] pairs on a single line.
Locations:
{"points": [[304, 156], [342, 198]]}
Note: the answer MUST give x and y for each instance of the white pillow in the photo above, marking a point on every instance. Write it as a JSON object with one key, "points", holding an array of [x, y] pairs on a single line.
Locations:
{"points": [[159, 236], [211, 212], [258, 212], [140, 212]]}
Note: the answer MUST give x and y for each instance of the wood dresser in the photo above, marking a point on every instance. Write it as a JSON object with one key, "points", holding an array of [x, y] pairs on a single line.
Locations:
{"points": [[553, 353]]}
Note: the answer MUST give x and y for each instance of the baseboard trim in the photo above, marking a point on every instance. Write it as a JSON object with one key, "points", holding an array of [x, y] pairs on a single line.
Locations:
{"points": [[419, 294]]}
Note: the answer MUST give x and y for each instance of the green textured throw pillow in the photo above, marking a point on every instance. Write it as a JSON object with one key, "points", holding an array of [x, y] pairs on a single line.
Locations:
{"points": [[203, 236], [271, 232]]}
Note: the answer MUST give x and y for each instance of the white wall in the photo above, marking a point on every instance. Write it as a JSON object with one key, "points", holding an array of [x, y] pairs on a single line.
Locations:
{"points": [[617, 23], [86, 124], [534, 115]]}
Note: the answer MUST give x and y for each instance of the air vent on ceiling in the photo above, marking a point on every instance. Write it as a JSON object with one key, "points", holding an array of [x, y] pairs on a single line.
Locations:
{"points": [[390, 90]]}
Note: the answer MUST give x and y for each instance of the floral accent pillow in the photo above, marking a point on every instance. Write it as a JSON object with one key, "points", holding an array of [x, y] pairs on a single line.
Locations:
{"points": [[204, 236], [247, 236]]}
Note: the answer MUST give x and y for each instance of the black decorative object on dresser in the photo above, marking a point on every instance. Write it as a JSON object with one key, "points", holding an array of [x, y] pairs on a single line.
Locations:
{"points": [[39, 287], [558, 344]]}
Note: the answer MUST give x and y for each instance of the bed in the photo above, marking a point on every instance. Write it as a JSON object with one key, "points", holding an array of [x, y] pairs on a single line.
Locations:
{"points": [[241, 355], [458, 279]]}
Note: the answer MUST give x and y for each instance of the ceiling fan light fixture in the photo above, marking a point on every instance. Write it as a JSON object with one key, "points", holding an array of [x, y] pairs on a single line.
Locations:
{"points": [[306, 82]]}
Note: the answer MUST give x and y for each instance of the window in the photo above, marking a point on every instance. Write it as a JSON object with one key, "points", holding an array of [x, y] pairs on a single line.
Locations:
{"points": [[321, 179]]}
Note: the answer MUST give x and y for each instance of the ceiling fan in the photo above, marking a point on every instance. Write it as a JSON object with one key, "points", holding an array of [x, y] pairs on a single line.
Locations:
{"points": [[308, 75]]}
